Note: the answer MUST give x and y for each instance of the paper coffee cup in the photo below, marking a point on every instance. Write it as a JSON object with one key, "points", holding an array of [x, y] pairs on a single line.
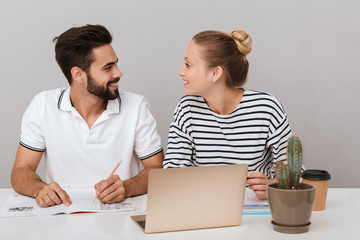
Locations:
{"points": [[320, 180]]}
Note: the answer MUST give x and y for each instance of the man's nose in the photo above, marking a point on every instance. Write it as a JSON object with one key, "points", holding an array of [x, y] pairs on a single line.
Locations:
{"points": [[117, 72]]}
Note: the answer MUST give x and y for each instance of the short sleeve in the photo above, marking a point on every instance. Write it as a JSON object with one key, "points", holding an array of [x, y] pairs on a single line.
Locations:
{"points": [[32, 135], [147, 139]]}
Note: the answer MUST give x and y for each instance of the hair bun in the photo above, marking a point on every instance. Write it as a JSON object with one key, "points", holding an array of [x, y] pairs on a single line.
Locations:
{"points": [[243, 41]]}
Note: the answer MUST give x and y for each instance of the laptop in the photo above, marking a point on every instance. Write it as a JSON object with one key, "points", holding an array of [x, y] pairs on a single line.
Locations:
{"points": [[194, 198]]}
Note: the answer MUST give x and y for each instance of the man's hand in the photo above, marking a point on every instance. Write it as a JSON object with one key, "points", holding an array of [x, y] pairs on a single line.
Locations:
{"points": [[257, 182], [52, 194], [114, 189], [111, 190], [25, 180]]}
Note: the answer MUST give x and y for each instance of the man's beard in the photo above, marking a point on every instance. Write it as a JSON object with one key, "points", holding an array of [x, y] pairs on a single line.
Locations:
{"points": [[100, 91]]}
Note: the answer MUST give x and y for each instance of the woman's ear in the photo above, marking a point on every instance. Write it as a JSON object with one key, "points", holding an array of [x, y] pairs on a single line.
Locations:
{"points": [[78, 75], [217, 74]]}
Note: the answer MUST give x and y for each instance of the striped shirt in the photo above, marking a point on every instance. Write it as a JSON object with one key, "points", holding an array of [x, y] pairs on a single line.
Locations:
{"points": [[255, 133]]}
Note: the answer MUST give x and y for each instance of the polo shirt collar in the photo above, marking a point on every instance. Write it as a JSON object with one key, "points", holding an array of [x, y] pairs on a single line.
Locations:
{"points": [[64, 103], [114, 106]]}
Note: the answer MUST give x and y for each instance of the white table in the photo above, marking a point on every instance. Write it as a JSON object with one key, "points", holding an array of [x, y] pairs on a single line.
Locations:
{"points": [[339, 220]]}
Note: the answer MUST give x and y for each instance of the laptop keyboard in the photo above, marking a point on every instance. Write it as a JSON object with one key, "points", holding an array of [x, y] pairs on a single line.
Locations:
{"points": [[141, 223]]}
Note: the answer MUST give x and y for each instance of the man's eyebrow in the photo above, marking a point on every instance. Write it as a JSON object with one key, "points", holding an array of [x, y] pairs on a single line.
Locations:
{"points": [[111, 63]]}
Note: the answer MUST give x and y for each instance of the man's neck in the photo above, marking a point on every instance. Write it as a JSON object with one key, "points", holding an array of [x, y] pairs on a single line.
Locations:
{"points": [[89, 106]]}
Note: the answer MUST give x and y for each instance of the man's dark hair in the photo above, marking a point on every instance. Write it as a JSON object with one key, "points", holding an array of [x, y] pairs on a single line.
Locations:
{"points": [[74, 47]]}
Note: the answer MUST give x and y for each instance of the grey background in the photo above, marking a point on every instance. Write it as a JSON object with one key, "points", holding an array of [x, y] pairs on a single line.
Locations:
{"points": [[305, 52]]}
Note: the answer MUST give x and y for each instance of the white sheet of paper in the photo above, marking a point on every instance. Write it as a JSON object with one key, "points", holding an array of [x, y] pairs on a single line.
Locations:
{"points": [[82, 201], [251, 199], [252, 205]]}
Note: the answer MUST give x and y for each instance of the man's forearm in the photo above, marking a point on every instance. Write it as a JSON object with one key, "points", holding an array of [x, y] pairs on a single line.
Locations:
{"points": [[26, 182], [137, 185]]}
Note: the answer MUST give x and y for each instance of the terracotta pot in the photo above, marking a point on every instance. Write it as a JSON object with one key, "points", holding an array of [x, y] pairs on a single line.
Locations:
{"points": [[291, 209]]}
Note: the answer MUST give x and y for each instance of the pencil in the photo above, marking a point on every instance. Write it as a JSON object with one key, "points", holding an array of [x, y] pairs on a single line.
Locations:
{"points": [[112, 173]]}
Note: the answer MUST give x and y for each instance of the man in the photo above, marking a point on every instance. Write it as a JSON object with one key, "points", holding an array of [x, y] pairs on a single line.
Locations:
{"points": [[83, 131]]}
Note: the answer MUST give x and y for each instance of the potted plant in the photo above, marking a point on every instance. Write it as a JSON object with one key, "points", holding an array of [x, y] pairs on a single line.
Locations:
{"points": [[290, 201]]}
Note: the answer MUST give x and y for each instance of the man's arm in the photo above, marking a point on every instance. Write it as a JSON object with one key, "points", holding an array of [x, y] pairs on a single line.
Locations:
{"points": [[114, 190], [25, 180], [139, 184]]}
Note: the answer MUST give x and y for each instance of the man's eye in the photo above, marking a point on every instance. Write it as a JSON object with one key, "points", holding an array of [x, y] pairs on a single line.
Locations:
{"points": [[108, 68], [187, 65]]}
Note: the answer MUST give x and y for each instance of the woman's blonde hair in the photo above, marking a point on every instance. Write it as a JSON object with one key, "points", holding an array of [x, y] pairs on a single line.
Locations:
{"points": [[227, 51]]}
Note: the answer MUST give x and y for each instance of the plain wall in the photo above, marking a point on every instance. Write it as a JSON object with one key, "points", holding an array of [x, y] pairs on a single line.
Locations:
{"points": [[305, 52]]}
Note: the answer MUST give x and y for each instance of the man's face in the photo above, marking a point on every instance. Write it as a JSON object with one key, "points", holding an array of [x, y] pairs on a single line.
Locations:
{"points": [[104, 75]]}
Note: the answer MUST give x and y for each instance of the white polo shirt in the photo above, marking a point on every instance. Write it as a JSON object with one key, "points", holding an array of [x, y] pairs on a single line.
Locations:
{"points": [[76, 156]]}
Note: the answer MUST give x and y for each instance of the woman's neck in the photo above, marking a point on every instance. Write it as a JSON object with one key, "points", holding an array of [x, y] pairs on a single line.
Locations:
{"points": [[224, 101]]}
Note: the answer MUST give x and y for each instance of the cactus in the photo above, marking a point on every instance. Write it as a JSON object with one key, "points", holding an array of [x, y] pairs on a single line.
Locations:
{"points": [[282, 174], [289, 176]]}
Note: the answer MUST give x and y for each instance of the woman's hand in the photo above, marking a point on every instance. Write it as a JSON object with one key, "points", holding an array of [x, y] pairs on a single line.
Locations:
{"points": [[257, 182]]}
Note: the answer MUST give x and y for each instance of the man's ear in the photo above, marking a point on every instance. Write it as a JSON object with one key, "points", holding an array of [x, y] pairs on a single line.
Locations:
{"points": [[217, 73], [78, 75]]}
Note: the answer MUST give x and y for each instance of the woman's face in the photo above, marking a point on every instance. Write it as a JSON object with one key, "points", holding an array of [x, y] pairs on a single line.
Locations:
{"points": [[194, 72]]}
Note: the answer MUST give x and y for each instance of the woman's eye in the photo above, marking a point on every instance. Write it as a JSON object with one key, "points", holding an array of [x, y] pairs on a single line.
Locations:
{"points": [[187, 65]]}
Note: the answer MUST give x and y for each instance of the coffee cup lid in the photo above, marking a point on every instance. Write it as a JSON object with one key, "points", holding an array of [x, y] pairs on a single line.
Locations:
{"points": [[317, 175]]}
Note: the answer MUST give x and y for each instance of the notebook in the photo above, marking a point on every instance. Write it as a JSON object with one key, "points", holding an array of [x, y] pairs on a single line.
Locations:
{"points": [[194, 198]]}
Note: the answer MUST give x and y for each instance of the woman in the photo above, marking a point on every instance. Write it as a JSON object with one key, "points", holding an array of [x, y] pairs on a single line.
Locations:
{"points": [[218, 121]]}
